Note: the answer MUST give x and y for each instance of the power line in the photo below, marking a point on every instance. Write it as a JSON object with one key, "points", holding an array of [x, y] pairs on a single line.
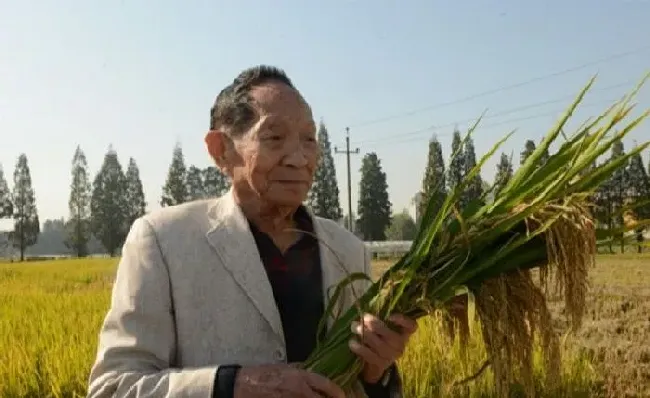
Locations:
{"points": [[499, 89], [490, 116], [430, 129]]}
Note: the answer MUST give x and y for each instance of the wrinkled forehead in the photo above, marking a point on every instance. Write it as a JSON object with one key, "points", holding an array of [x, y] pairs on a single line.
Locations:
{"points": [[280, 102]]}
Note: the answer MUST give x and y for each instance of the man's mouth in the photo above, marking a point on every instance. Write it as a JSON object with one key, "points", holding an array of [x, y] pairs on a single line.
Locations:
{"points": [[292, 182]]}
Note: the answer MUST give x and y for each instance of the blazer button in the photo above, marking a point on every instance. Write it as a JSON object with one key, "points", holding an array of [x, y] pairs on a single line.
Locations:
{"points": [[279, 355]]}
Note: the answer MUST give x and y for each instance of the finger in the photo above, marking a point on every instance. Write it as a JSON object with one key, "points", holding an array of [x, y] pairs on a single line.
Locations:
{"points": [[366, 354], [388, 350], [376, 326], [324, 386], [408, 325]]}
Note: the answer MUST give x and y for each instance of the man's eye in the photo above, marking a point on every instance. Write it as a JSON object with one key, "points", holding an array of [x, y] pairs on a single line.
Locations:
{"points": [[271, 137]]}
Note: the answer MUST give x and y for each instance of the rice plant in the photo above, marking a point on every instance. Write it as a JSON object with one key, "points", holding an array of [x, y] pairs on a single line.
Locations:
{"points": [[542, 219]]}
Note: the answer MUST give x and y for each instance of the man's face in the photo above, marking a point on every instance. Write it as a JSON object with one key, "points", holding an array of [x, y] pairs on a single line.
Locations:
{"points": [[276, 158]]}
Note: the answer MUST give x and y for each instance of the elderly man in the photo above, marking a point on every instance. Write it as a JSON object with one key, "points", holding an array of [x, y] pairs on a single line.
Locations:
{"points": [[222, 297]]}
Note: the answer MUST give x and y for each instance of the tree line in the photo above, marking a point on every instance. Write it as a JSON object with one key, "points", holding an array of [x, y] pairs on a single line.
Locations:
{"points": [[104, 209], [625, 197], [101, 209]]}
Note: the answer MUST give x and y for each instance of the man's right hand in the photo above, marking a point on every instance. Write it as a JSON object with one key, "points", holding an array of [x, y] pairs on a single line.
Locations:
{"points": [[282, 380]]}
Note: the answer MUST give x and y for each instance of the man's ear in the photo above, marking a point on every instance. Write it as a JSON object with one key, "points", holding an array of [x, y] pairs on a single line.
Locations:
{"points": [[216, 142]]}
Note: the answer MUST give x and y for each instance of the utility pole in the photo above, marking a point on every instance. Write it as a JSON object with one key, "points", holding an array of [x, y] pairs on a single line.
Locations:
{"points": [[347, 152]]}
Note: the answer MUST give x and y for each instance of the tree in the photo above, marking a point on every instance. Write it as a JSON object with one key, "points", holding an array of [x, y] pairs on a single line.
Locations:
{"points": [[456, 167], [345, 222], [215, 183], [26, 223], [194, 183], [504, 173], [6, 211], [374, 208], [136, 203], [617, 187], [108, 205], [474, 189], [175, 190], [6, 205], [529, 148], [402, 227], [639, 191], [78, 226], [323, 196], [53, 238], [434, 183], [603, 210]]}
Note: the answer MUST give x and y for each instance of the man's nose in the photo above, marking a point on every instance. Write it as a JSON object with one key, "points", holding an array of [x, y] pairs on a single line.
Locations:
{"points": [[296, 155]]}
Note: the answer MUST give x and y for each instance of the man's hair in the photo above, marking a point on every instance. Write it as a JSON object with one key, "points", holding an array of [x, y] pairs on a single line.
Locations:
{"points": [[233, 108]]}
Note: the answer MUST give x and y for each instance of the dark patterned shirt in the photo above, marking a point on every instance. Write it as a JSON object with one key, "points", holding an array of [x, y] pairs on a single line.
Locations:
{"points": [[296, 281]]}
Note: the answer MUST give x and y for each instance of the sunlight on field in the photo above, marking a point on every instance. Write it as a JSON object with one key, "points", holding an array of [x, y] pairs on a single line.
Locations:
{"points": [[50, 313]]}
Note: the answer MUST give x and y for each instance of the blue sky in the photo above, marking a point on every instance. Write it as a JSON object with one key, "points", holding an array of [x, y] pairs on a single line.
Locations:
{"points": [[143, 75]]}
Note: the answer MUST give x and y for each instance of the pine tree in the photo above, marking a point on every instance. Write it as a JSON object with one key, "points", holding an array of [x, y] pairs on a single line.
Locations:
{"points": [[639, 191], [6, 206], [434, 183], [456, 166], [108, 205], [215, 183], [137, 205], [194, 183], [26, 223], [175, 190], [529, 148], [617, 187], [504, 173], [374, 208], [323, 197], [603, 210], [474, 189], [78, 226]]}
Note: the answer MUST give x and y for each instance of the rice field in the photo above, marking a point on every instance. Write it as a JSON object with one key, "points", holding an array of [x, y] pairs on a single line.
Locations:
{"points": [[50, 313]]}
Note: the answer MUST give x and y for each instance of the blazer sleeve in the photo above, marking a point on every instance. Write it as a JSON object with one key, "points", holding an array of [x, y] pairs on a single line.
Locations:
{"points": [[137, 341]]}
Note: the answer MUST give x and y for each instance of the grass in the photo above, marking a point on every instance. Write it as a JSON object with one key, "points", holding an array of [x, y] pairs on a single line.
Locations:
{"points": [[50, 314]]}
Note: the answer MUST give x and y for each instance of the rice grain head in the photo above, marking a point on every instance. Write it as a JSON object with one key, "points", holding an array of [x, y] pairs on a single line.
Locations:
{"points": [[513, 309], [571, 248], [513, 312]]}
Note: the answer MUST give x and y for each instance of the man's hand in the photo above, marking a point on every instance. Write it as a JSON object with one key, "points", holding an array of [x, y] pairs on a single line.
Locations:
{"points": [[271, 381], [378, 345]]}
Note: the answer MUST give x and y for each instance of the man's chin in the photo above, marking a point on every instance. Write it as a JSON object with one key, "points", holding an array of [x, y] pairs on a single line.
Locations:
{"points": [[288, 198]]}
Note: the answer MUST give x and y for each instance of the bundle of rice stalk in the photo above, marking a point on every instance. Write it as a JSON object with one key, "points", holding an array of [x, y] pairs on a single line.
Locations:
{"points": [[540, 220]]}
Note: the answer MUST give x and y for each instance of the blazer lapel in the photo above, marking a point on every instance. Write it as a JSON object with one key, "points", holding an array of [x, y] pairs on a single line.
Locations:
{"points": [[333, 267], [230, 236]]}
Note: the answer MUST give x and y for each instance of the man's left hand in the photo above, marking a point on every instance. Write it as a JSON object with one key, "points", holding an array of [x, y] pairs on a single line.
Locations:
{"points": [[378, 345]]}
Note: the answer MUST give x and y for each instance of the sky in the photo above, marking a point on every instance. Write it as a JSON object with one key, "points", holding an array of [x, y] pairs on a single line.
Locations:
{"points": [[141, 76]]}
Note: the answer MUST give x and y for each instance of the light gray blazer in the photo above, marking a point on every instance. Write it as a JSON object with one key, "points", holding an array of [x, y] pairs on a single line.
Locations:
{"points": [[191, 293]]}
